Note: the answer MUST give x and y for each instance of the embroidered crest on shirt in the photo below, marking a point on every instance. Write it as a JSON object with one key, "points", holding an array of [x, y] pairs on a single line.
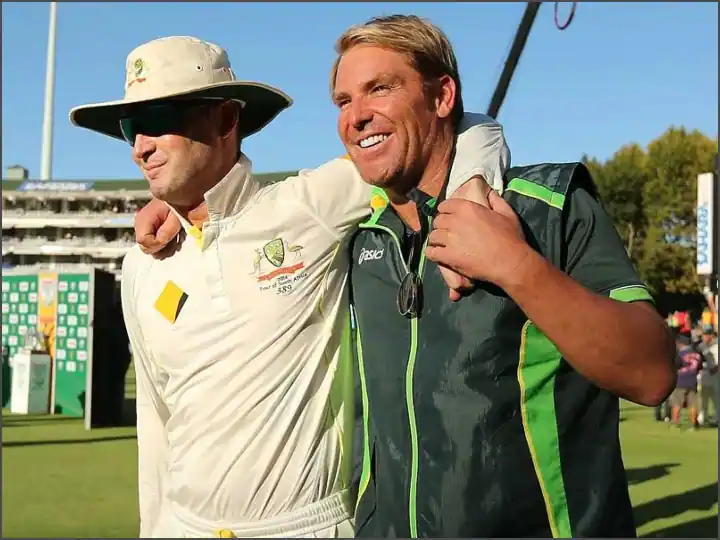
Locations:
{"points": [[278, 266]]}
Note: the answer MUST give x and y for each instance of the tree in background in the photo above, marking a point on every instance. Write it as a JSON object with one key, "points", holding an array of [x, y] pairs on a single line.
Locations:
{"points": [[651, 194], [620, 181]]}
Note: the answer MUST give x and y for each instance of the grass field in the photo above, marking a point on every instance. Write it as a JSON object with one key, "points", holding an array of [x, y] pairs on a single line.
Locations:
{"points": [[59, 480]]}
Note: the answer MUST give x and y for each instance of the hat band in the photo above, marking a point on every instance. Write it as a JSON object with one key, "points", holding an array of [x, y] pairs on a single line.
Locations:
{"points": [[158, 85]]}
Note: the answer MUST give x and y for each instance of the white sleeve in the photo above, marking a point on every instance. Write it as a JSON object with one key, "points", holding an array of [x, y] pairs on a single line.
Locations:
{"points": [[334, 194], [337, 197], [481, 150], [152, 414]]}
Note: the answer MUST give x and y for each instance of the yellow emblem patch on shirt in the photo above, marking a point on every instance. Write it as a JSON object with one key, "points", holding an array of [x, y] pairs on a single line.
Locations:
{"points": [[170, 302]]}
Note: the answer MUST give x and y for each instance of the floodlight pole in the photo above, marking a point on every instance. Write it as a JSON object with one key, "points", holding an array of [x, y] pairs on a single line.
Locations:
{"points": [[47, 138]]}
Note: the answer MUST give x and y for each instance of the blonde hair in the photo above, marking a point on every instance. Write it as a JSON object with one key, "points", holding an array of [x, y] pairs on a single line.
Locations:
{"points": [[427, 47]]}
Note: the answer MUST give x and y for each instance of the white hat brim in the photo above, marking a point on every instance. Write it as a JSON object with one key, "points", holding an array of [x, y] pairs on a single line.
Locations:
{"points": [[262, 104]]}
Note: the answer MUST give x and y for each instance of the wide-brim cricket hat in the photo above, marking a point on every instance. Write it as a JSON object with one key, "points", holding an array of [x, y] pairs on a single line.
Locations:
{"points": [[182, 67]]}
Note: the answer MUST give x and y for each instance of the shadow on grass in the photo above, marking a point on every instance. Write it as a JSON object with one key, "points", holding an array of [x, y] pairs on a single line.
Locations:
{"points": [[702, 498], [700, 528], [10, 444], [645, 474]]}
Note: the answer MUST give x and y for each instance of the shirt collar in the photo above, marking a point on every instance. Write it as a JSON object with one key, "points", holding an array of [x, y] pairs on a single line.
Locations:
{"points": [[233, 192], [227, 198]]}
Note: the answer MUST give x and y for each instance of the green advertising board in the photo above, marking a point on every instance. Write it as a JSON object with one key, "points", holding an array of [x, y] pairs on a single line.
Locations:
{"points": [[19, 316], [19, 310], [79, 315], [72, 338]]}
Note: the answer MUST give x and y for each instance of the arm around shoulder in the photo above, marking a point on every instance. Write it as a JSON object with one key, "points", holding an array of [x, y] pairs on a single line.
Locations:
{"points": [[481, 152], [334, 194]]}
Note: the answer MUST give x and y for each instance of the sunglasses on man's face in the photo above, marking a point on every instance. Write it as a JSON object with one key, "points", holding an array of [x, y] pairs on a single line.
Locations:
{"points": [[159, 119]]}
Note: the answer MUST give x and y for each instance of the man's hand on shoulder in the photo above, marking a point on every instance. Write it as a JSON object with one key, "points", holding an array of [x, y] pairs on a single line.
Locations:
{"points": [[480, 242], [156, 228], [476, 190]]}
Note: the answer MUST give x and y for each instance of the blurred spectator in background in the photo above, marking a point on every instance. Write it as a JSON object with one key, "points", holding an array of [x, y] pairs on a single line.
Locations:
{"points": [[689, 362], [708, 379], [662, 411], [684, 322], [680, 322], [706, 319]]}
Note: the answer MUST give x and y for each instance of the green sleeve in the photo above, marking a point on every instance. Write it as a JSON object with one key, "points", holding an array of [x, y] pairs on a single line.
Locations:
{"points": [[595, 255]]}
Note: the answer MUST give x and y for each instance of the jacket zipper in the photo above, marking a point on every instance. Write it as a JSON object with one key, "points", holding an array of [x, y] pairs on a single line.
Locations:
{"points": [[409, 383]]}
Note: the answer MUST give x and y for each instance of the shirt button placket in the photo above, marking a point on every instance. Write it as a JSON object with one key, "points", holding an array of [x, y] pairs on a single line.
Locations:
{"points": [[213, 269]]}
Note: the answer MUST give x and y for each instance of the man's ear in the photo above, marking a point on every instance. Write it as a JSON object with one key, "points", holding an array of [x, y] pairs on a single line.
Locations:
{"points": [[229, 119], [445, 96]]}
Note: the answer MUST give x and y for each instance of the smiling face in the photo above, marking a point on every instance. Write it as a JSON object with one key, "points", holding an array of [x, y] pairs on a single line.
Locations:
{"points": [[170, 163], [179, 148], [390, 118]]}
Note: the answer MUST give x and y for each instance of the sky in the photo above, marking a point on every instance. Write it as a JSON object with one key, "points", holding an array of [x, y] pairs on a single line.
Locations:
{"points": [[621, 73]]}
